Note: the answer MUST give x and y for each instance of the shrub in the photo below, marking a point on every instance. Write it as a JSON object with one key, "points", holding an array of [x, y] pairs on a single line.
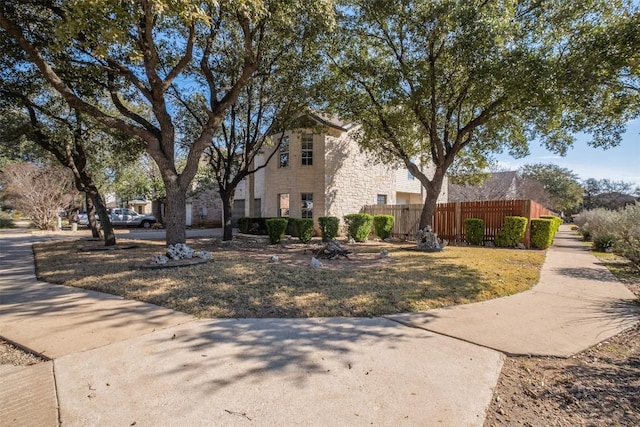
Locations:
{"points": [[303, 228], [628, 243], [512, 231], [358, 226], [6, 221], [604, 242], [244, 224], [291, 227], [276, 228], [599, 225], [542, 232], [557, 221], [252, 225], [383, 224], [474, 231], [329, 227]]}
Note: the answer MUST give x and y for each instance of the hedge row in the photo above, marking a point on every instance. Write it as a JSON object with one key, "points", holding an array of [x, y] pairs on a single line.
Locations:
{"points": [[358, 227]]}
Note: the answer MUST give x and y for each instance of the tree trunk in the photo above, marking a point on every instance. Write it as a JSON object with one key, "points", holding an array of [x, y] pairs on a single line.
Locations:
{"points": [[433, 191], [227, 206], [97, 205], [175, 214], [91, 217]]}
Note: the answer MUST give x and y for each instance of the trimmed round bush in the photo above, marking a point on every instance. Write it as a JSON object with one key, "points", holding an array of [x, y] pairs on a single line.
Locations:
{"points": [[382, 225], [276, 228], [512, 231], [303, 228], [329, 227], [542, 232], [358, 226], [474, 231]]}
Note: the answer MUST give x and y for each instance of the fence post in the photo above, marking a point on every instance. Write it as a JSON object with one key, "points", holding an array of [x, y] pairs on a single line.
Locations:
{"points": [[527, 235], [458, 221]]}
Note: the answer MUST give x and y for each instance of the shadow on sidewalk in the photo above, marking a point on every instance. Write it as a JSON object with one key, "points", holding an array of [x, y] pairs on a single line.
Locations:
{"points": [[263, 346]]}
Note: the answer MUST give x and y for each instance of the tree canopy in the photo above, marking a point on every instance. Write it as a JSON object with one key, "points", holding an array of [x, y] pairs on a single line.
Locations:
{"points": [[448, 83], [561, 184], [158, 61]]}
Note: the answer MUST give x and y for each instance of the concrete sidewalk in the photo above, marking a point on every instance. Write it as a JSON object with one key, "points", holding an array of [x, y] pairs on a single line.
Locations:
{"points": [[576, 304], [119, 362]]}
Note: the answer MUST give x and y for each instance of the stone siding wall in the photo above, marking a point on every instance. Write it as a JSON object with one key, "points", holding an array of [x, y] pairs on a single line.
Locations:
{"points": [[352, 179]]}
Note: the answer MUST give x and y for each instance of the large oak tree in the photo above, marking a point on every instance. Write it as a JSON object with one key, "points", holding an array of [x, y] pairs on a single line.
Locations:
{"points": [[151, 56], [448, 83]]}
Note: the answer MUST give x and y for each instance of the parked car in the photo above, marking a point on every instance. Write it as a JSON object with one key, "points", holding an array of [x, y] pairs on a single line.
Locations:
{"points": [[123, 217]]}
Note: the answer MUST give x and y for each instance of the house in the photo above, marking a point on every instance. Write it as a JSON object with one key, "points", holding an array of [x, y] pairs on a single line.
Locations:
{"points": [[320, 171], [498, 186]]}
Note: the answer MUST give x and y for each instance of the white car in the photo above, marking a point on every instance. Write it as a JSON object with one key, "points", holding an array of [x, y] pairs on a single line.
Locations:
{"points": [[123, 217]]}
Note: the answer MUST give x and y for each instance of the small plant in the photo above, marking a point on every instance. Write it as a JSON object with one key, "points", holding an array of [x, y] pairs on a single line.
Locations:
{"points": [[358, 226], [303, 227], [474, 231], [383, 224], [605, 242], [512, 231], [329, 227], [542, 232], [276, 228]]}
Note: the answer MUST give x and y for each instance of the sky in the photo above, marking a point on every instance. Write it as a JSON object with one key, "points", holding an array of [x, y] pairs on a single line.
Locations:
{"points": [[621, 163]]}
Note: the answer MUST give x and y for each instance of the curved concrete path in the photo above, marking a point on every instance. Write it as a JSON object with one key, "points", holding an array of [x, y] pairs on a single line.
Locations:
{"points": [[119, 362], [576, 304]]}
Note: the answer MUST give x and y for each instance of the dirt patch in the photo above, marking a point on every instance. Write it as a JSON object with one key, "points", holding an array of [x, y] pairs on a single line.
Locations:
{"points": [[598, 387], [295, 256], [12, 355]]}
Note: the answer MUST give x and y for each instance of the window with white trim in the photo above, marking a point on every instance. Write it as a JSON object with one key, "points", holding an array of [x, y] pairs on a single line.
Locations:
{"points": [[307, 205], [284, 152], [307, 149]]}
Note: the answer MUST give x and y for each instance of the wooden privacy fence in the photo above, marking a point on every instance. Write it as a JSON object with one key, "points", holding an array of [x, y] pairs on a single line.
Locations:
{"points": [[448, 221]]}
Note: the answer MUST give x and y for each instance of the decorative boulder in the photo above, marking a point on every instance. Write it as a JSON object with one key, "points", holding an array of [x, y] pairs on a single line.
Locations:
{"points": [[427, 240]]}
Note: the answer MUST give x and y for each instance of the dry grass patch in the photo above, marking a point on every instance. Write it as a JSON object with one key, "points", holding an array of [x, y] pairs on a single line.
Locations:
{"points": [[242, 281]]}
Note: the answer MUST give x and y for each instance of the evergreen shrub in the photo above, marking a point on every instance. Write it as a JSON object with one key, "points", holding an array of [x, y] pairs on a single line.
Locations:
{"points": [[542, 232], [358, 226], [512, 231], [303, 228], [329, 227], [382, 225], [276, 228], [474, 231]]}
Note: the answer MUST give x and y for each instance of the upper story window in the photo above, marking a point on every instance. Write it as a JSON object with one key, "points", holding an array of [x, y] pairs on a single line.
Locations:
{"points": [[284, 152], [307, 149], [382, 199], [410, 176]]}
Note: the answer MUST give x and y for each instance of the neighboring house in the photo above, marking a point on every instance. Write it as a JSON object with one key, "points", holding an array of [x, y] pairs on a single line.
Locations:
{"points": [[499, 186]]}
